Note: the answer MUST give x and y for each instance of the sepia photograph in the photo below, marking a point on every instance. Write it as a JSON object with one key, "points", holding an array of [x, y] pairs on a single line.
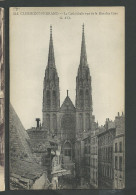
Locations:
{"points": [[67, 85], [2, 102]]}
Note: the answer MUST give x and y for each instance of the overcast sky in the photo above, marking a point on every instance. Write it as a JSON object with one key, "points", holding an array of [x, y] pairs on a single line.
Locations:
{"points": [[29, 43]]}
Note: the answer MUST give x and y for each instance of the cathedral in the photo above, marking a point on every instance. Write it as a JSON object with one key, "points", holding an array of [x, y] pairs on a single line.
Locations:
{"points": [[67, 121]]}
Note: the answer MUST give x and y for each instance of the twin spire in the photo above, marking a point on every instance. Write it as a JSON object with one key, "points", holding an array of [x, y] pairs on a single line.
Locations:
{"points": [[83, 55], [51, 58]]}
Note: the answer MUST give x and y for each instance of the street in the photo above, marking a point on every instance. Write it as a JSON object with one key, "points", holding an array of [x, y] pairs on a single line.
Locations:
{"points": [[2, 186]]}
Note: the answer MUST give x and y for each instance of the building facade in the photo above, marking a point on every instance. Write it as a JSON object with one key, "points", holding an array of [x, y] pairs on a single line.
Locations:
{"points": [[86, 162], [67, 121], [94, 159], [105, 156], [119, 152]]}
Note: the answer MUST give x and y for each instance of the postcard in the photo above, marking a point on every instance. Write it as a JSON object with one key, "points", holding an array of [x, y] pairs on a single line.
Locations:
{"points": [[67, 120]]}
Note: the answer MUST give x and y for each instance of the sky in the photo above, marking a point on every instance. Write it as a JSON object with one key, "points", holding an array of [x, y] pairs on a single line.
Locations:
{"points": [[29, 44]]}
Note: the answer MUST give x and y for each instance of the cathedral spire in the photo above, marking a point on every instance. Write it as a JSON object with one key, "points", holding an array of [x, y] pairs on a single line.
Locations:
{"points": [[83, 56], [51, 58]]}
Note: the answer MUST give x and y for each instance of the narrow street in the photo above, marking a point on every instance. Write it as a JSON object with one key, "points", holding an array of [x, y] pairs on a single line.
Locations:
{"points": [[2, 185]]}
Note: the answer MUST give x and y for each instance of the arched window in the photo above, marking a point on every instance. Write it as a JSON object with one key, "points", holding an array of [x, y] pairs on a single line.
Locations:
{"points": [[54, 122], [87, 97], [87, 121], [48, 97], [87, 75], [81, 121], [54, 76], [81, 97], [48, 121], [54, 97], [87, 92], [81, 93]]}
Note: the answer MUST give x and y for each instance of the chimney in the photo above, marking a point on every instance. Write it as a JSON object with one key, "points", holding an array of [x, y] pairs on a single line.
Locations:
{"points": [[118, 113], [38, 121]]}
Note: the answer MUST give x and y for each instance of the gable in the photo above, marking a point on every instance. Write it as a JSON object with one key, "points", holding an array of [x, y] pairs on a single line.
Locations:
{"points": [[67, 105]]}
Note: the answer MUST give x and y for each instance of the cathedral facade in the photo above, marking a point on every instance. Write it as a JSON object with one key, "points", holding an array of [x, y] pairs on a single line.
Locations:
{"points": [[67, 121]]}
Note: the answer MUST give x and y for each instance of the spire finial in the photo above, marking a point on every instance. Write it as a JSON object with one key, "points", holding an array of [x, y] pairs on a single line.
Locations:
{"points": [[51, 29], [83, 56], [51, 58], [83, 27], [67, 92]]}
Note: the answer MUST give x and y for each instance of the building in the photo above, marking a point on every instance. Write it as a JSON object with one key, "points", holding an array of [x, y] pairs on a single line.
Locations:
{"points": [[46, 151], [37, 143], [25, 172], [119, 152], [86, 162], [67, 121], [82, 160], [35, 161], [105, 155], [2, 89], [94, 158], [79, 160]]}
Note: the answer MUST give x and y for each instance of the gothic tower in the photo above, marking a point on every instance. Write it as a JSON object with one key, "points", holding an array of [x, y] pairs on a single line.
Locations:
{"points": [[83, 92], [51, 94]]}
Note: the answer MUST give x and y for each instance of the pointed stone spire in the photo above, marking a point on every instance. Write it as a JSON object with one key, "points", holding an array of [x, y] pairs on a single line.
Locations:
{"points": [[83, 56], [51, 58]]}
